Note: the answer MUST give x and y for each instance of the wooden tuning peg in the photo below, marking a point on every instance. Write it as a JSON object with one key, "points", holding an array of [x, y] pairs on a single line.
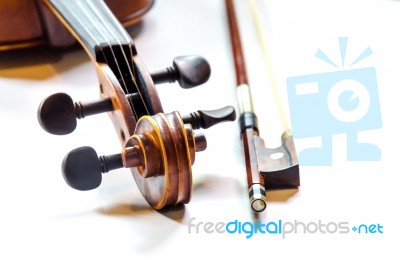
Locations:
{"points": [[57, 113]]}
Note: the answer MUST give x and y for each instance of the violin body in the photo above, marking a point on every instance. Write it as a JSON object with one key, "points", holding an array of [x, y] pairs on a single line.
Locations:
{"points": [[33, 24]]}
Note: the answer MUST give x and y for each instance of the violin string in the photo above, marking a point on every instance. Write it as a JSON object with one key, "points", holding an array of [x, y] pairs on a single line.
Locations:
{"points": [[267, 62], [126, 61], [123, 83], [77, 18]]}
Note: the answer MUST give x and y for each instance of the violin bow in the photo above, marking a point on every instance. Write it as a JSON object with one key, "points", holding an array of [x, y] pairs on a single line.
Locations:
{"points": [[266, 168]]}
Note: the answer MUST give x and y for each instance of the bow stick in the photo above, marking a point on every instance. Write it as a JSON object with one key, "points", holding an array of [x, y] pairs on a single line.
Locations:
{"points": [[266, 168]]}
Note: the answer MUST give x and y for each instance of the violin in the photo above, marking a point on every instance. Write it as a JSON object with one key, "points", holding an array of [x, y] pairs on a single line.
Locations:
{"points": [[158, 148], [34, 25]]}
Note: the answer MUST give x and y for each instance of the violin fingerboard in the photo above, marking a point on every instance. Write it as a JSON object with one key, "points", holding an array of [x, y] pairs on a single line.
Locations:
{"points": [[91, 22]]}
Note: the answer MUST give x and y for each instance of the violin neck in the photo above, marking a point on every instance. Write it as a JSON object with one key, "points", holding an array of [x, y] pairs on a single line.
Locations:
{"points": [[93, 25]]}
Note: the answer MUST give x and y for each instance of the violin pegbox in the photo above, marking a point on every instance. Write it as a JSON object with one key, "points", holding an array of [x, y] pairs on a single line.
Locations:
{"points": [[159, 148], [57, 114]]}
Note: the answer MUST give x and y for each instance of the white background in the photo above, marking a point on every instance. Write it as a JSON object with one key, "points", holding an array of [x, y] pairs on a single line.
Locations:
{"points": [[42, 220]]}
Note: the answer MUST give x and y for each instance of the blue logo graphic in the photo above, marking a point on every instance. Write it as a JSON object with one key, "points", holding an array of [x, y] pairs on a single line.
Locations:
{"points": [[329, 103], [281, 228]]}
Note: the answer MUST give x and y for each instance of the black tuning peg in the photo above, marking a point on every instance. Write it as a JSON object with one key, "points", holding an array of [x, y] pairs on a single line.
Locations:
{"points": [[57, 113], [82, 168], [206, 119], [189, 71]]}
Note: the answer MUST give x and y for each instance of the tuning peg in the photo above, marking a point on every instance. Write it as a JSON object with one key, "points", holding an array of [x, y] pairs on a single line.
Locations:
{"points": [[82, 167], [206, 119], [189, 71], [160, 155], [57, 113]]}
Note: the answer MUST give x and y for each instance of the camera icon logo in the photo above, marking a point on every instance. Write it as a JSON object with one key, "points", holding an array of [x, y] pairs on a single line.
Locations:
{"points": [[329, 103]]}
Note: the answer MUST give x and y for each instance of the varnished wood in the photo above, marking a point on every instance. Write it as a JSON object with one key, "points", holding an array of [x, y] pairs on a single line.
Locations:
{"points": [[120, 76], [26, 28], [248, 119], [248, 131], [122, 117], [171, 183], [34, 25], [239, 61], [158, 148], [163, 169]]}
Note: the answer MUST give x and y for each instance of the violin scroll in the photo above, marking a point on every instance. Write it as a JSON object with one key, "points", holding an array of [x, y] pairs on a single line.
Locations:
{"points": [[161, 152]]}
